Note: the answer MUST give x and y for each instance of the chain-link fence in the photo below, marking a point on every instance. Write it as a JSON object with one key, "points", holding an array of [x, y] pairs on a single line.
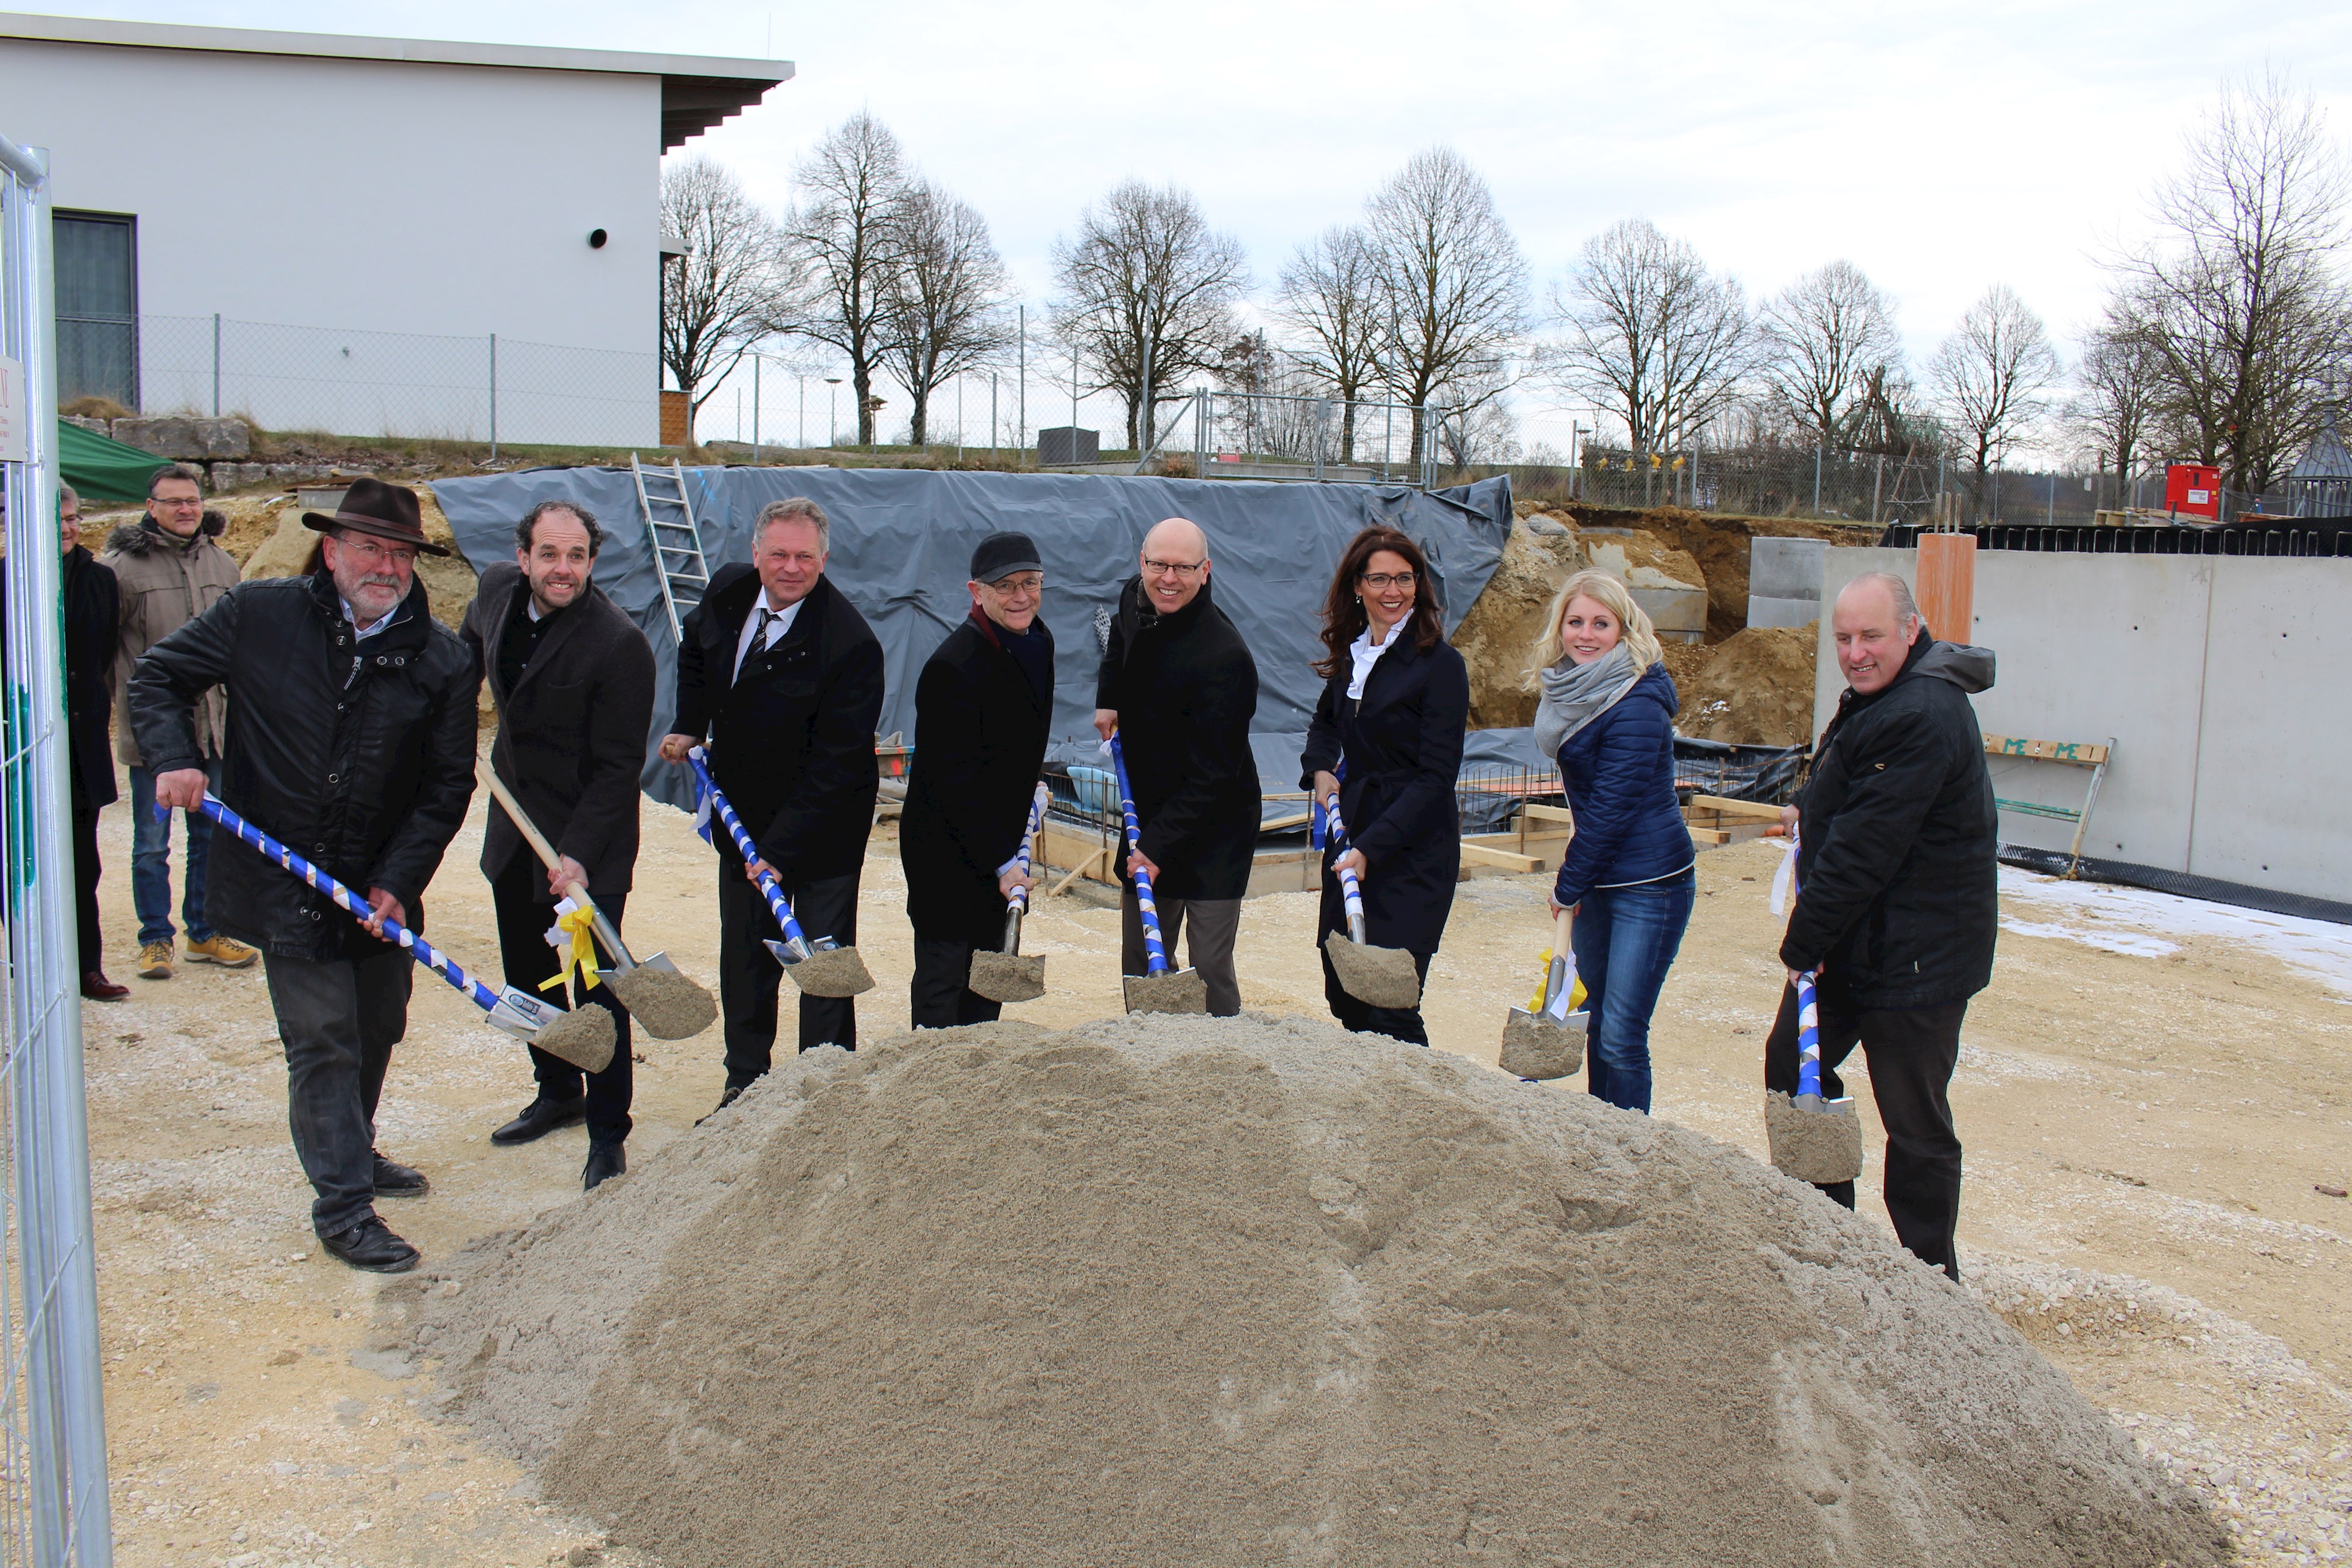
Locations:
{"points": [[337, 382], [52, 1500]]}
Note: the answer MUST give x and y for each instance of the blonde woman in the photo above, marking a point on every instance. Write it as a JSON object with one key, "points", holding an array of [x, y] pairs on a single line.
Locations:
{"points": [[1607, 713]]}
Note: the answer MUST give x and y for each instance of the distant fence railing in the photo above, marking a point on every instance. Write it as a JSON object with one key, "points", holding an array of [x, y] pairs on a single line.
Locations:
{"points": [[342, 381]]}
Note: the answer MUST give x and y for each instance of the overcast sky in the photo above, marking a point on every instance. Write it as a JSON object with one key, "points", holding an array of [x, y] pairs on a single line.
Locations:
{"points": [[1943, 147]]}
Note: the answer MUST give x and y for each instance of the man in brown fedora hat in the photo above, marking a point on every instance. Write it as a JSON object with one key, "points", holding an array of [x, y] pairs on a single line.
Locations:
{"points": [[350, 740]]}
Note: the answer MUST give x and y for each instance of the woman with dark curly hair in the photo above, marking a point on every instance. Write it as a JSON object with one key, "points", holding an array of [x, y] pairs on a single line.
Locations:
{"points": [[1395, 705]]}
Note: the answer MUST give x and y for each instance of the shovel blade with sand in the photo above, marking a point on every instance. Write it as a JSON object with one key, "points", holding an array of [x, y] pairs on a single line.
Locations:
{"points": [[1010, 975], [1162, 989], [665, 1003], [1812, 1139], [585, 1040], [1375, 977], [819, 968], [1547, 1042]]}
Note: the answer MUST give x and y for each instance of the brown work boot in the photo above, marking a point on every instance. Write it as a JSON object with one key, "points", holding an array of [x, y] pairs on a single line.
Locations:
{"points": [[226, 951], [155, 961]]}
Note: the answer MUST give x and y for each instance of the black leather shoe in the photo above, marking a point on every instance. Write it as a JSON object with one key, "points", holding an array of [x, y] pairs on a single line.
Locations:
{"points": [[539, 1118], [605, 1160], [371, 1244], [96, 988], [727, 1097], [393, 1179]]}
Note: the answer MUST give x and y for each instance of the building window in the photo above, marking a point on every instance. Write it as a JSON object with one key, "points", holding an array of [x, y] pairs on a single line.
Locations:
{"points": [[98, 307]]}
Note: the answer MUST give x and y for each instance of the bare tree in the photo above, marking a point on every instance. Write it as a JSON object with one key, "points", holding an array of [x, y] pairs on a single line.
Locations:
{"points": [[1328, 299], [1652, 331], [1449, 283], [2239, 291], [943, 303], [1822, 340], [1991, 373], [1147, 280], [848, 235], [723, 295], [2121, 388]]}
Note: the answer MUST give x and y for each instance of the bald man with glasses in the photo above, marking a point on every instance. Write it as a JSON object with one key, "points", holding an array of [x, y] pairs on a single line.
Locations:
{"points": [[1179, 686]]}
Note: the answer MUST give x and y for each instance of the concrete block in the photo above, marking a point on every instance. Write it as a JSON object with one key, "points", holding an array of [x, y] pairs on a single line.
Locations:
{"points": [[187, 437], [236, 475], [1763, 611], [1785, 569], [98, 426], [1679, 613]]}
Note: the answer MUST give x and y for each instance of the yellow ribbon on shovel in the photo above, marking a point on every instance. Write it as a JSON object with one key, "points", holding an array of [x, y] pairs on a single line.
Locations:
{"points": [[1575, 988], [579, 952]]}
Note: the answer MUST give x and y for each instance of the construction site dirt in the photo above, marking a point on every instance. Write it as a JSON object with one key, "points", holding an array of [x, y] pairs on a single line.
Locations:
{"points": [[2153, 1095]]}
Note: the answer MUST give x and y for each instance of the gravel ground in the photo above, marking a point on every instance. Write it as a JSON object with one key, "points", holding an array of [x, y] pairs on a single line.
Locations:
{"points": [[2149, 1104]]}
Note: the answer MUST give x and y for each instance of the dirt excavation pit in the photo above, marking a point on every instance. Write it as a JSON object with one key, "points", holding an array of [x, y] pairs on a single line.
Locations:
{"points": [[1193, 1291]]}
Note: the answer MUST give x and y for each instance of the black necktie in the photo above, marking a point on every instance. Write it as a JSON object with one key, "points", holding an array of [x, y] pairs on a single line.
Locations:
{"points": [[760, 633]]}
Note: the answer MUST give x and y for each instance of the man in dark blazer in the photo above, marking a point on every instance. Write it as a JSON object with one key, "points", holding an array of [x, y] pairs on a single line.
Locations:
{"points": [[981, 709], [91, 615], [1180, 687], [574, 680], [781, 674]]}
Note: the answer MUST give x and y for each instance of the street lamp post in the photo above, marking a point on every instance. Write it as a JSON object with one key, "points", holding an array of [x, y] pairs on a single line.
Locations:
{"points": [[833, 412]]}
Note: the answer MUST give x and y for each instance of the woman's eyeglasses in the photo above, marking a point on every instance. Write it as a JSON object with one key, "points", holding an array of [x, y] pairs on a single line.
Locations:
{"points": [[1375, 580]]}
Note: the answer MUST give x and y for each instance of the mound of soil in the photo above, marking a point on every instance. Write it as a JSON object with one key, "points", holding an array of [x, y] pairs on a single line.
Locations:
{"points": [[1756, 689], [1194, 1291]]}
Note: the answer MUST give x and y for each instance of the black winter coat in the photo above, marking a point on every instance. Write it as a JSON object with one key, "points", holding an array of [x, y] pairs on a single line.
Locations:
{"points": [[1619, 771], [363, 769], [1402, 745], [792, 742], [1185, 688], [572, 733], [1897, 833], [92, 611], [980, 740]]}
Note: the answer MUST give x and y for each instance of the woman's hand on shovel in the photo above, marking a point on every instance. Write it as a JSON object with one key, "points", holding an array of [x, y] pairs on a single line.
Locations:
{"points": [[1352, 861]]}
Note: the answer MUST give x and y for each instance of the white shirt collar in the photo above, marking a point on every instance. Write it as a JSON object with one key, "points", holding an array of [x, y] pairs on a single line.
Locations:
{"points": [[1363, 653], [362, 633], [776, 628]]}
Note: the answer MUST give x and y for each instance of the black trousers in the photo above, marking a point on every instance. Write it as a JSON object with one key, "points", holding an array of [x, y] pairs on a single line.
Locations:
{"points": [[86, 870], [748, 974], [338, 1021], [941, 995], [1362, 1017], [528, 959], [1911, 1052]]}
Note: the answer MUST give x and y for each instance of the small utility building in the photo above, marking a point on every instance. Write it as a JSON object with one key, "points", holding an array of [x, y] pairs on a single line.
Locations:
{"points": [[326, 232]]}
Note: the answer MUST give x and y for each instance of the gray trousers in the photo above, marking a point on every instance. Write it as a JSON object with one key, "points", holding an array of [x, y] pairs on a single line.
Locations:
{"points": [[338, 1021], [1214, 922]]}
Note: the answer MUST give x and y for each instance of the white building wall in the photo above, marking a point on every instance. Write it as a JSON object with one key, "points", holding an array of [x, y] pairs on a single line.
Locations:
{"points": [[364, 196]]}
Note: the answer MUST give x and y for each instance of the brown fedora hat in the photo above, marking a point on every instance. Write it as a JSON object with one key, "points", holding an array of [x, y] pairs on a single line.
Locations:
{"points": [[373, 506]]}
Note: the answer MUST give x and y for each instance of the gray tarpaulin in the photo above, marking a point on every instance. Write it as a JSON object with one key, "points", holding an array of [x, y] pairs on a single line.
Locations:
{"points": [[901, 550]]}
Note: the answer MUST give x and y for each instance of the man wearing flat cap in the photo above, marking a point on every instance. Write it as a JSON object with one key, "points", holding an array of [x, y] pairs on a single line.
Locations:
{"points": [[350, 740], [982, 707]]}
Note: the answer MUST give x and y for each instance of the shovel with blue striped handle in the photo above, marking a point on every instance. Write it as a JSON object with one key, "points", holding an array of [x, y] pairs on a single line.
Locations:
{"points": [[1377, 977], [822, 967], [1162, 989], [1007, 975]]}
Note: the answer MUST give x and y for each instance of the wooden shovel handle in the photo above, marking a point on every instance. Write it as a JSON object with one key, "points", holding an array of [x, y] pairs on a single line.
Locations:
{"points": [[505, 797], [1560, 934]]}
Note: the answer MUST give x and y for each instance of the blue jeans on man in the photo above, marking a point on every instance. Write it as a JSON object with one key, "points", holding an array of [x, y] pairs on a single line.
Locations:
{"points": [[151, 861], [1625, 940]]}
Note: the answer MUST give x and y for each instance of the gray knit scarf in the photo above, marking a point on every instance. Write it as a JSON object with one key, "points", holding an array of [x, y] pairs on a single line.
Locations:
{"points": [[1575, 694]]}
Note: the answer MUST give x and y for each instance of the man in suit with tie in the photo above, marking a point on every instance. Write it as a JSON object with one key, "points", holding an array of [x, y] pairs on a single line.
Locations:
{"points": [[781, 674], [574, 679]]}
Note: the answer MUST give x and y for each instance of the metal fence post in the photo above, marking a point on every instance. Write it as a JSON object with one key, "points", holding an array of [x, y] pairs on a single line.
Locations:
{"points": [[215, 364], [52, 1417], [494, 397], [1817, 481]]}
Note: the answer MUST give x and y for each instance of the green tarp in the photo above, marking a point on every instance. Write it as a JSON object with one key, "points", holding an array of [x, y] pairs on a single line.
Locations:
{"points": [[100, 469]]}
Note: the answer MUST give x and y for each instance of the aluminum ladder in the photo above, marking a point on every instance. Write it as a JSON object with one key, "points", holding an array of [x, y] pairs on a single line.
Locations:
{"points": [[676, 538]]}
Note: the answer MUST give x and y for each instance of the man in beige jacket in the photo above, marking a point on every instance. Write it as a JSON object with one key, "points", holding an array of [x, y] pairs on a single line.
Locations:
{"points": [[170, 573]]}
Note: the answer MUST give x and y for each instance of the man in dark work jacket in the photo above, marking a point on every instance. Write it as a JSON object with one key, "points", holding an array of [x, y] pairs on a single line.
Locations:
{"points": [[574, 679], [1180, 687], [783, 674], [981, 708]]}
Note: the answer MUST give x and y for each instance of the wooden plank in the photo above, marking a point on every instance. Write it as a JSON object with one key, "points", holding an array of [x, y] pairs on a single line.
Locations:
{"points": [[1709, 836], [1484, 854], [1281, 823], [1536, 813], [1729, 807], [2081, 753]]}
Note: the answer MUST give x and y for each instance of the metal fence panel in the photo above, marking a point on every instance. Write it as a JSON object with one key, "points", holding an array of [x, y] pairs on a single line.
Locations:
{"points": [[52, 1500]]}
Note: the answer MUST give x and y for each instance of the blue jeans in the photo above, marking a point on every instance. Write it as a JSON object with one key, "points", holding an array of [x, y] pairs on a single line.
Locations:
{"points": [[151, 861], [1625, 940]]}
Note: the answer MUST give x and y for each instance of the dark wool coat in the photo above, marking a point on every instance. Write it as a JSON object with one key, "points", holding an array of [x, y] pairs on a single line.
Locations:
{"points": [[1897, 835], [980, 740], [1185, 688], [92, 612], [792, 742], [364, 769], [1620, 773], [572, 733], [1402, 746]]}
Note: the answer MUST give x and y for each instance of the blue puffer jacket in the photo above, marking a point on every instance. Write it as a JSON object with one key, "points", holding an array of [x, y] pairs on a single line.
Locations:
{"points": [[1620, 772]]}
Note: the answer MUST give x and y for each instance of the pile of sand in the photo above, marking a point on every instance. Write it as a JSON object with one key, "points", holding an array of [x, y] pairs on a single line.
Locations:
{"points": [[1190, 1290], [1756, 688]]}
